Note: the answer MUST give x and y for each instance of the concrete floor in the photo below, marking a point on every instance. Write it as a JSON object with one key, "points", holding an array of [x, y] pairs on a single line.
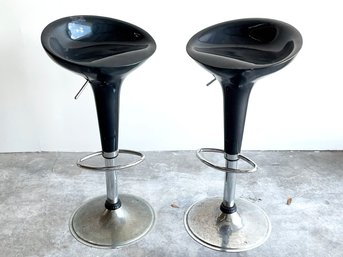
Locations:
{"points": [[40, 191]]}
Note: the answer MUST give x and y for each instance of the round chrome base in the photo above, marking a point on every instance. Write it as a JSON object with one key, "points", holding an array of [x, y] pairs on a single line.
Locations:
{"points": [[92, 224], [244, 230]]}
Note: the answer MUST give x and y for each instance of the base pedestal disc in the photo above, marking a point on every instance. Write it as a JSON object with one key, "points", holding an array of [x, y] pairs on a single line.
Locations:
{"points": [[94, 225], [207, 225]]}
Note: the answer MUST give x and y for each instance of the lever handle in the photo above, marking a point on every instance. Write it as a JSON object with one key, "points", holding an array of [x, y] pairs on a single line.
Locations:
{"points": [[81, 90], [209, 83]]}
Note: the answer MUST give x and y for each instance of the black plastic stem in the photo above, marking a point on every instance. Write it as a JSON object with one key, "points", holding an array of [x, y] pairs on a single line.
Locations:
{"points": [[107, 106], [236, 99]]}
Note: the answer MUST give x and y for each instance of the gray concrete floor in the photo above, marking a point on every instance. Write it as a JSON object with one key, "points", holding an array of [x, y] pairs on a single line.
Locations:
{"points": [[40, 191]]}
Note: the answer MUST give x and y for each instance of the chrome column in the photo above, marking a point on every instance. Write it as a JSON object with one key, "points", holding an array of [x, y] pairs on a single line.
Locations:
{"points": [[111, 178], [230, 181]]}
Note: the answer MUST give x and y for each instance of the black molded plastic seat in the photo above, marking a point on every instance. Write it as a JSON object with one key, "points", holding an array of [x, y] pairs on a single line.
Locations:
{"points": [[237, 53], [104, 51], [254, 46], [91, 45]]}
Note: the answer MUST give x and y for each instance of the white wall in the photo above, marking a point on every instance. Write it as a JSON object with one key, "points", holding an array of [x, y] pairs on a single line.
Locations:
{"points": [[165, 103]]}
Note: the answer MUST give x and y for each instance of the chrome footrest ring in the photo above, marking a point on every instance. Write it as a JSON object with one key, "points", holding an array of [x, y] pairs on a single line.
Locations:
{"points": [[81, 163], [222, 168]]}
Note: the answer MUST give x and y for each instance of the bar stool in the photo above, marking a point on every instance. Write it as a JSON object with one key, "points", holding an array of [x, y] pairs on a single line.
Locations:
{"points": [[104, 51], [237, 53]]}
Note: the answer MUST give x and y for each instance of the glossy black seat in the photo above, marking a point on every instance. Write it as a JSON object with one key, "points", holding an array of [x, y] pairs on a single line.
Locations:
{"points": [[103, 51], [91, 45], [254, 46], [237, 53]]}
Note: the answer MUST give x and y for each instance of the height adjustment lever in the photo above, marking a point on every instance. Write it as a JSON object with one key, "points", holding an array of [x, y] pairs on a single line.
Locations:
{"points": [[209, 83], [81, 90]]}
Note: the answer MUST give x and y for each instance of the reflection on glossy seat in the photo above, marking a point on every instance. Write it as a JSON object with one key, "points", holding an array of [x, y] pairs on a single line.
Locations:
{"points": [[104, 51], [237, 53]]}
